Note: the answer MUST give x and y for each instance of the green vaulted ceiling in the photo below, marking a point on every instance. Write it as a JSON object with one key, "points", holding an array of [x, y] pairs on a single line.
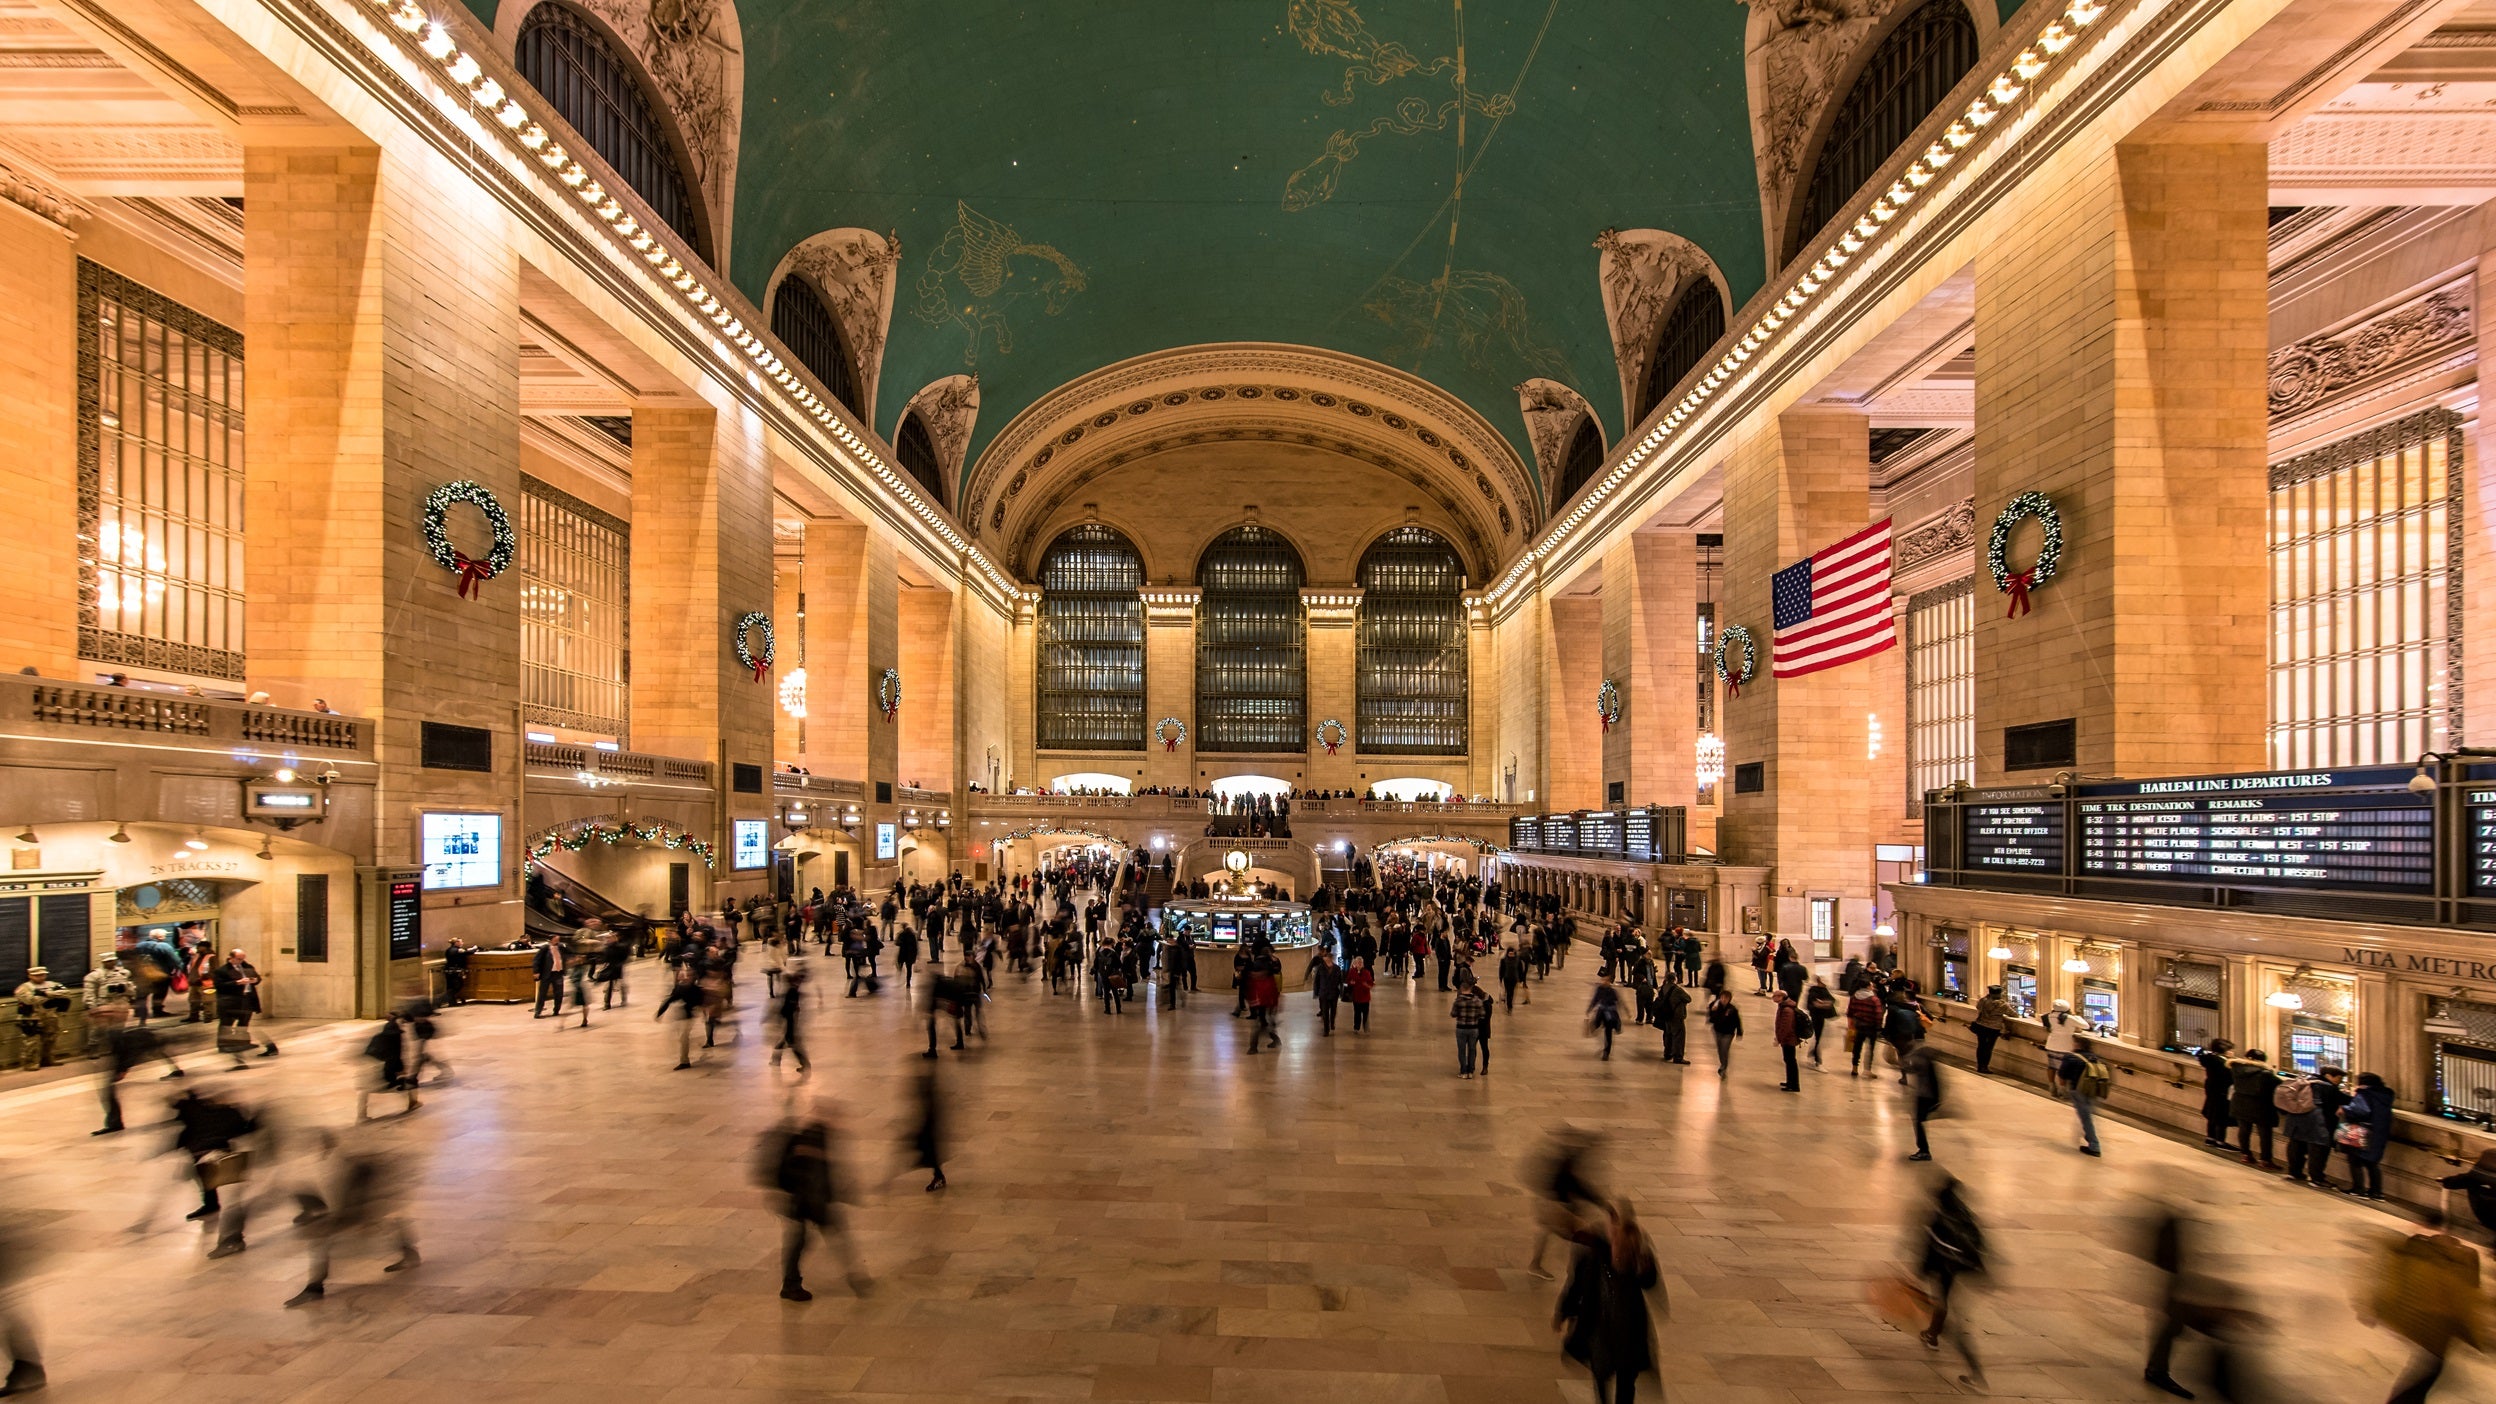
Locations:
{"points": [[1415, 181]]}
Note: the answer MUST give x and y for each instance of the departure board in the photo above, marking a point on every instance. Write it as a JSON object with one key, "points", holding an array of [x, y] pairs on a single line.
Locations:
{"points": [[1599, 833], [1560, 833], [2324, 828], [1638, 836], [1525, 832], [2026, 838], [2482, 806]]}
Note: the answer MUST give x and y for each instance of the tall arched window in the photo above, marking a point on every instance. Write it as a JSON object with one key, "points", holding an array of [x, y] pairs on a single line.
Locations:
{"points": [[1091, 682], [1690, 330], [916, 449], [568, 58], [813, 335], [1252, 679], [1579, 464], [1410, 658], [1904, 80]]}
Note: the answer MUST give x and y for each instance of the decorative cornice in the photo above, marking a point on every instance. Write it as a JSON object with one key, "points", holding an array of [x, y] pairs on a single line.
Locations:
{"points": [[42, 198], [1942, 593], [2305, 373], [1954, 531]]}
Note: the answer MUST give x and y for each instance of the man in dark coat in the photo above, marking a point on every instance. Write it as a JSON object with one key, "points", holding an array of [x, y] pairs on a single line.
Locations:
{"points": [[799, 1163]]}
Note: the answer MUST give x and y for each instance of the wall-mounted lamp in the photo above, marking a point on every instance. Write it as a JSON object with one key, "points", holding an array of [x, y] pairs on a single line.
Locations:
{"points": [[27, 834], [1997, 953], [197, 842], [120, 834]]}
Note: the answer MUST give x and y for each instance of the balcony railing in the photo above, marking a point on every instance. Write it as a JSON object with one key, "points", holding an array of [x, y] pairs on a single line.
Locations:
{"points": [[912, 794], [783, 782], [220, 722], [620, 765]]}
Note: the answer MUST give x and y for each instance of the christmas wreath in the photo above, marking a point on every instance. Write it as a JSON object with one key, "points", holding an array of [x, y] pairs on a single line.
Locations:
{"points": [[2017, 583], [472, 572], [1170, 732], [1608, 703], [1331, 735], [888, 693], [1734, 677], [746, 656]]}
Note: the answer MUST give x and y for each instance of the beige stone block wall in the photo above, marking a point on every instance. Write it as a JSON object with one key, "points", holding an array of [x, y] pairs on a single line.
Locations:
{"points": [[1575, 764], [1517, 646], [1789, 492], [2478, 511], [2120, 370], [926, 757], [987, 687], [1169, 691], [837, 704], [1333, 692], [788, 586], [1650, 644], [39, 442]]}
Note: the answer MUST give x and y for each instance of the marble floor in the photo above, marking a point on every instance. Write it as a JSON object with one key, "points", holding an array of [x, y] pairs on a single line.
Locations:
{"points": [[1137, 1211]]}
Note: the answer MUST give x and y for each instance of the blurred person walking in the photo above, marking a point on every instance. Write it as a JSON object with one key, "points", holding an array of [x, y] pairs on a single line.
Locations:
{"points": [[686, 997], [1724, 1020], [129, 1046], [388, 1050], [1561, 1178], [2426, 1291], [1603, 1011], [1923, 1070], [1602, 1314], [364, 1182], [2190, 1298], [799, 1162], [927, 1137], [206, 1130], [789, 1010], [19, 1256], [1954, 1249]]}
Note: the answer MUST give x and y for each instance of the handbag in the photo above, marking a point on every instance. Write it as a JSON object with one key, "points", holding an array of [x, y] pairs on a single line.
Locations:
{"points": [[217, 1169], [2354, 1137]]}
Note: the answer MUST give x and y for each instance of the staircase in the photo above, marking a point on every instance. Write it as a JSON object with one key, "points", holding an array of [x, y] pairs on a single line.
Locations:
{"points": [[558, 903]]}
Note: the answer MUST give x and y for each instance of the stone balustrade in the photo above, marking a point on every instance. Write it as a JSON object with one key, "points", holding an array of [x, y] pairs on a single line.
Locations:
{"points": [[219, 722], [619, 765]]}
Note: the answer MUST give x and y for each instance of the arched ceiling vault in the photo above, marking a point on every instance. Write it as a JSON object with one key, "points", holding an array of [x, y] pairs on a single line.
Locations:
{"points": [[1250, 392]]}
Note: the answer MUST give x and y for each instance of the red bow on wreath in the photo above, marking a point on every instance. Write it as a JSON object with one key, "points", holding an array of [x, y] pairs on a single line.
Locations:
{"points": [[1169, 743], [1606, 719], [1733, 687], [2020, 581], [761, 666], [473, 574]]}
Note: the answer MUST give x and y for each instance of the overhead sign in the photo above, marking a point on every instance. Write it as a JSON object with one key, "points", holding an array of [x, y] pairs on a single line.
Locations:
{"points": [[2025, 838], [2358, 829]]}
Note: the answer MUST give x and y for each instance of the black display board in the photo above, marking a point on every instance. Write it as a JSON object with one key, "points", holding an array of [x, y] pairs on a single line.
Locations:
{"points": [[17, 940], [2021, 838], [1559, 833], [1525, 832], [2479, 801], [65, 925], [1599, 833], [1638, 836], [407, 918], [2353, 829]]}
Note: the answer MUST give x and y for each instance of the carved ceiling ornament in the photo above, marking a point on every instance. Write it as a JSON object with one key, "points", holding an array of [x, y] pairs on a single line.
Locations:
{"points": [[853, 270], [693, 52], [1953, 533], [1245, 390], [1552, 413], [2306, 373], [1642, 272], [949, 408]]}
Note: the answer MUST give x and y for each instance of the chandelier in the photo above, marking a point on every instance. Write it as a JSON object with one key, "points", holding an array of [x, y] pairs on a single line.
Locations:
{"points": [[1711, 758], [793, 693]]}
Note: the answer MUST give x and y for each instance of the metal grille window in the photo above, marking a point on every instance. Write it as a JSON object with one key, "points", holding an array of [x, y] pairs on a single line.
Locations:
{"points": [[2365, 609], [1691, 330], [2464, 1036], [160, 438], [1585, 455], [1410, 656], [803, 324], [574, 563], [1941, 689], [1091, 684], [1904, 80], [1251, 645], [917, 452], [568, 58]]}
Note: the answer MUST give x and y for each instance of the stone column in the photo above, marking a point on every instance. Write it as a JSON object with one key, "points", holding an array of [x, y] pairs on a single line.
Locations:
{"points": [[1574, 759], [39, 341], [1650, 636], [1020, 764], [2120, 350], [1334, 629], [1801, 485], [382, 335], [1484, 758], [1170, 681], [927, 682]]}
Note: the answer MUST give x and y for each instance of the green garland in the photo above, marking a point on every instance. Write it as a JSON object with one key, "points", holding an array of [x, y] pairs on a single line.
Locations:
{"points": [[578, 839]]}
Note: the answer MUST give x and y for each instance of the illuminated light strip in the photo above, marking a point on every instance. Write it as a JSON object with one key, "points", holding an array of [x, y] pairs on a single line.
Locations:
{"points": [[464, 75], [2007, 87]]}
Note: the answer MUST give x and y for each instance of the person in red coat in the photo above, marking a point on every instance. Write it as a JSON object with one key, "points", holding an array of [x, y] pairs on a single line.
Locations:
{"points": [[1358, 984], [1421, 951], [1265, 996], [1789, 1036]]}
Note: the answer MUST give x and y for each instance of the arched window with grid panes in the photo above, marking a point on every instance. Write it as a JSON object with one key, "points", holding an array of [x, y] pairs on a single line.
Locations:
{"points": [[916, 449], [1690, 329], [1900, 84], [1577, 466], [813, 335], [1252, 691], [1409, 658], [1091, 683], [579, 67]]}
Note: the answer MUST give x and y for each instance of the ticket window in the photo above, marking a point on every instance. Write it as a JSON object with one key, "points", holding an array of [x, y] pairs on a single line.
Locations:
{"points": [[2019, 986], [2193, 1024], [2097, 1004], [1954, 978], [2316, 1042]]}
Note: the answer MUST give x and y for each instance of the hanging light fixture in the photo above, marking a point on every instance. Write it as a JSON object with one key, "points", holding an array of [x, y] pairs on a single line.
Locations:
{"points": [[2077, 965], [1711, 761], [1997, 952], [120, 834]]}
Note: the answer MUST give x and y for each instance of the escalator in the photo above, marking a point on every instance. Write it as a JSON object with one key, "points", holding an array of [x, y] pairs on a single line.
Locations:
{"points": [[559, 903]]}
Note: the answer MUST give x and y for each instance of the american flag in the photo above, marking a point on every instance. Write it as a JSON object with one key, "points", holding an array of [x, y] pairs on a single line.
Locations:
{"points": [[1834, 607]]}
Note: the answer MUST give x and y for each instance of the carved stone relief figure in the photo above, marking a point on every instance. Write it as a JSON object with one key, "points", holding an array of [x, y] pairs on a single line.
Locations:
{"points": [[1794, 53], [1643, 272], [1552, 413], [853, 270], [949, 408], [694, 54]]}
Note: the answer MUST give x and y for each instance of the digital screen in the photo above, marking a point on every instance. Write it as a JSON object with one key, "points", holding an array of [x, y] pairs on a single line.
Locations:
{"points": [[407, 920], [749, 843], [887, 841], [2025, 838], [2346, 828], [2482, 806], [461, 850]]}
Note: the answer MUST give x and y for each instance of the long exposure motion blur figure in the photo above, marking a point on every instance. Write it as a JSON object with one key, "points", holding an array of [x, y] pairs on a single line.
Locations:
{"points": [[1953, 1250], [1602, 1314], [362, 1182], [2190, 1299], [800, 1163]]}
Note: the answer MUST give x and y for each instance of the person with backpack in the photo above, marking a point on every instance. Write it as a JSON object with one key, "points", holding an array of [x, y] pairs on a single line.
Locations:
{"points": [[2063, 1030], [2310, 1109], [1954, 1248], [1863, 1028], [2365, 1130], [2251, 1083], [1789, 1036], [1820, 1011], [2089, 1081]]}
